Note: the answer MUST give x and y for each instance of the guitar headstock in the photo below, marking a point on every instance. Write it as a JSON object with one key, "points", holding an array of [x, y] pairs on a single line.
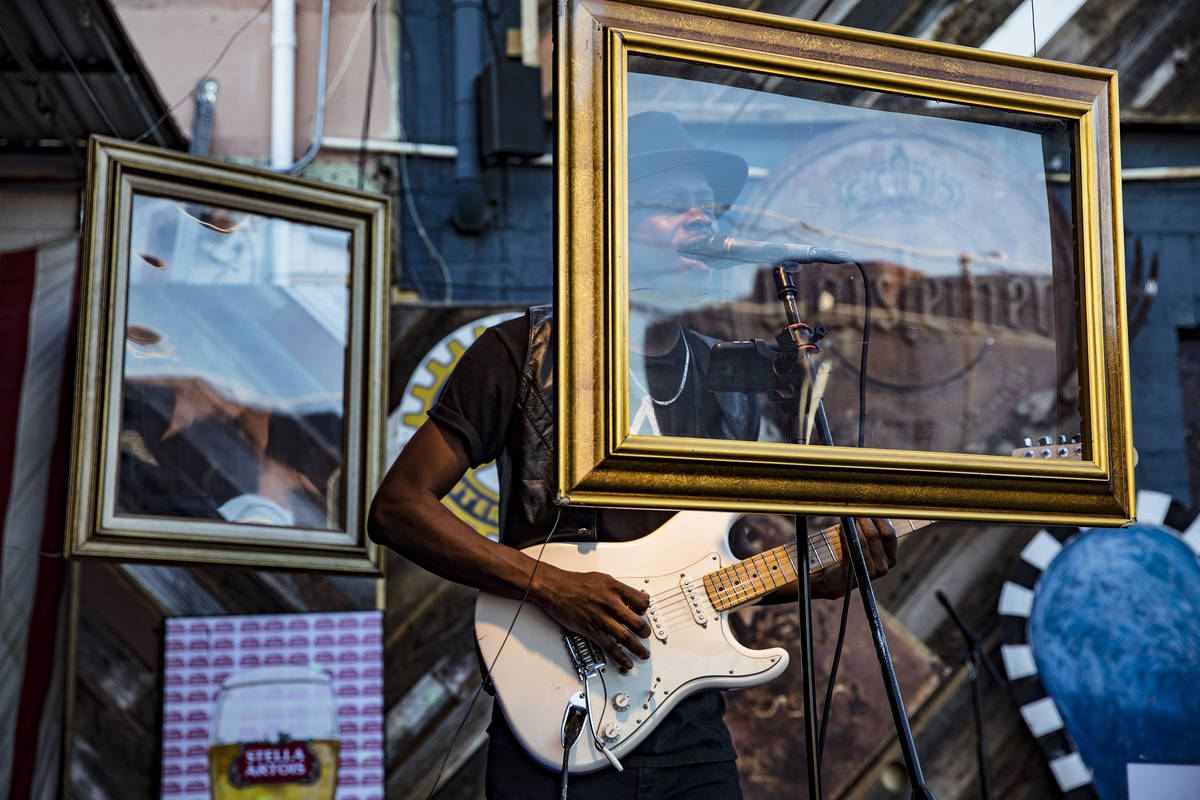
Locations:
{"points": [[1049, 447]]}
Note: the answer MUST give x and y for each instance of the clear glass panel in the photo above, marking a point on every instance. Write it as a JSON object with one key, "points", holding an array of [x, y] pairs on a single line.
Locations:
{"points": [[234, 367], [960, 216], [274, 734]]}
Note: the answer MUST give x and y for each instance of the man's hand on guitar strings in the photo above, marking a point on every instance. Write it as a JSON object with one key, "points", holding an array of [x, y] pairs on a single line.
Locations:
{"points": [[598, 606], [878, 538]]}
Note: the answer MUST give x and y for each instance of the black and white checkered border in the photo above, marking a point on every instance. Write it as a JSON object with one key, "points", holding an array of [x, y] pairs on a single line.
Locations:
{"points": [[1039, 710]]}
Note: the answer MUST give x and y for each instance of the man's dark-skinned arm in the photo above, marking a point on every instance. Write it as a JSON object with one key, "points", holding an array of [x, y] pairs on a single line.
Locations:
{"points": [[878, 539], [407, 515]]}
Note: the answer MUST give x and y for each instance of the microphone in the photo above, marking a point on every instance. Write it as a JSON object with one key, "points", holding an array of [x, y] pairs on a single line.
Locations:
{"points": [[746, 251]]}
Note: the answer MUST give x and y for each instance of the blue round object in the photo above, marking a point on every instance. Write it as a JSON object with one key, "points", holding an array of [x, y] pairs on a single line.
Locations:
{"points": [[1115, 628]]}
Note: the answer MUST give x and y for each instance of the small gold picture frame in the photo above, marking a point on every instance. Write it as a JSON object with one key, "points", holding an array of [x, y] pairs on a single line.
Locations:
{"points": [[231, 377], [959, 210]]}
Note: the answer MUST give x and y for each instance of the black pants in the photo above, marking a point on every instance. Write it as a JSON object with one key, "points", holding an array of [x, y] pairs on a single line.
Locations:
{"points": [[512, 775]]}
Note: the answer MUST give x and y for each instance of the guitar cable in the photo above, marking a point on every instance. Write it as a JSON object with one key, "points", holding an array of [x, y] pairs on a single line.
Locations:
{"points": [[487, 677], [603, 748], [574, 718]]}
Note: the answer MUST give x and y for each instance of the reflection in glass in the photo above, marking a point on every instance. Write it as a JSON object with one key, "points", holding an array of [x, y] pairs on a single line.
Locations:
{"points": [[961, 216], [234, 366], [274, 734]]}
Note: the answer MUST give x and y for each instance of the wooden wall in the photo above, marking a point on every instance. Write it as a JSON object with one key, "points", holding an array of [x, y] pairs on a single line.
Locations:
{"points": [[436, 717]]}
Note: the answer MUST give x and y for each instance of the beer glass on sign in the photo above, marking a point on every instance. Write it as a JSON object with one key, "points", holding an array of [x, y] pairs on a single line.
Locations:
{"points": [[274, 734]]}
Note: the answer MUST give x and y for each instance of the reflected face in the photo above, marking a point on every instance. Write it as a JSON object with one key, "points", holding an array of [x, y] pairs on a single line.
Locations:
{"points": [[667, 212]]}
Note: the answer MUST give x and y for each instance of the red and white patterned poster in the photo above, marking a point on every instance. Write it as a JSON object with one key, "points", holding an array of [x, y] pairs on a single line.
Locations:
{"points": [[280, 705]]}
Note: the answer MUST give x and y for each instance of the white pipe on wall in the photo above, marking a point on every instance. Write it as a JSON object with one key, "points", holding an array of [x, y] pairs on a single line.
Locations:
{"points": [[283, 82]]}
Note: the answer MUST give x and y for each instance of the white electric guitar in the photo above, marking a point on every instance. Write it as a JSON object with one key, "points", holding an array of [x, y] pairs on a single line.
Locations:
{"points": [[695, 582]]}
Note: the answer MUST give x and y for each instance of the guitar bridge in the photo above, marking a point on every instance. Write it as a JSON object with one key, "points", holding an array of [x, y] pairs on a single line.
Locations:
{"points": [[588, 658]]}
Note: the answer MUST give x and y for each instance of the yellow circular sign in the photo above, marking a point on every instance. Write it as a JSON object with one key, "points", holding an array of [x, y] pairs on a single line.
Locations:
{"points": [[476, 498]]}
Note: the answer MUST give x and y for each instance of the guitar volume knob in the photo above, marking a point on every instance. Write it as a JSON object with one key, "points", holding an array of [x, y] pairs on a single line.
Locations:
{"points": [[621, 702], [611, 732]]}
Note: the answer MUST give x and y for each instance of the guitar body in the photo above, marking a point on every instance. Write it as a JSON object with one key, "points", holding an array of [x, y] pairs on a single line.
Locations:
{"points": [[691, 647]]}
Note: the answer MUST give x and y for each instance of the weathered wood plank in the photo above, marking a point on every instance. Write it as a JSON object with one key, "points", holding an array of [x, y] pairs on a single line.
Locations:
{"points": [[453, 742], [767, 721], [453, 679], [969, 564], [239, 591], [126, 612], [945, 738], [112, 754], [437, 618], [120, 678], [175, 591], [467, 781]]}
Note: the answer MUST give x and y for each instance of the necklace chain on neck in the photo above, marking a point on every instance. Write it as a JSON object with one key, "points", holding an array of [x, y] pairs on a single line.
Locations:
{"points": [[687, 359]]}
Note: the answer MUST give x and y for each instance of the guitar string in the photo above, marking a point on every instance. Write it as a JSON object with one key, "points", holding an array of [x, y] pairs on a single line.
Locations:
{"points": [[489, 667], [673, 610], [755, 576], [662, 601], [667, 608], [791, 551]]}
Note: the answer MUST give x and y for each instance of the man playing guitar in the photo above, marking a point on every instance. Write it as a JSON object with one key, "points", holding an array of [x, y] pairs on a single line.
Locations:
{"points": [[499, 404]]}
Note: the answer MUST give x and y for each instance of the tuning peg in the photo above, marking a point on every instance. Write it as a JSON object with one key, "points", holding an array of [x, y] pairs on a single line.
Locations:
{"points": [[1045, 440], [1028, 442]]}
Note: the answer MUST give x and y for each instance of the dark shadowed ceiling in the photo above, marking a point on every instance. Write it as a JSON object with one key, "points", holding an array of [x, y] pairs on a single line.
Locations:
{"points": [[68, 70]]}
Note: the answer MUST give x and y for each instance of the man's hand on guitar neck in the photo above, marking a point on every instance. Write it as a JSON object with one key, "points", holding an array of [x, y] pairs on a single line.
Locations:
{"points": [[598, 606], [878, 538]]}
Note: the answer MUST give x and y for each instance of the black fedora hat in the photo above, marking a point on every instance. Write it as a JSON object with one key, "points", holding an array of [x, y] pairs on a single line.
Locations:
{"points": [[658, 143]]}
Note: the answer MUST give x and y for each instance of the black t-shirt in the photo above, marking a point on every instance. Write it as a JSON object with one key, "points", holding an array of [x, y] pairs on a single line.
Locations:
{"points": [[478, 400], [477, 403]]}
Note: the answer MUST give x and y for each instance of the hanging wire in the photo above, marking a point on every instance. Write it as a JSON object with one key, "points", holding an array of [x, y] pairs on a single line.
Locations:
{"points": [[352, 46], [366, 124], [489, 667], [224, 51], [62, 48], [410, 202], [1033, 22]]}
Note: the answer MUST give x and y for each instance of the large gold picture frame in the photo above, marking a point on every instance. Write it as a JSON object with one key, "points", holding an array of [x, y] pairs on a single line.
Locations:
{"points": [[603, 459], [231, 376]]}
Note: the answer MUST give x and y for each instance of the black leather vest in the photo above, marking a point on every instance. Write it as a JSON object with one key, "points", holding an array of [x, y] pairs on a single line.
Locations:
{"points": [[527, 466]]}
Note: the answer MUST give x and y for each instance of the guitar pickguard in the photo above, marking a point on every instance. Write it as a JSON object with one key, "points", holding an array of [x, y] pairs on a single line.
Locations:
{"points": [[691, 648]]}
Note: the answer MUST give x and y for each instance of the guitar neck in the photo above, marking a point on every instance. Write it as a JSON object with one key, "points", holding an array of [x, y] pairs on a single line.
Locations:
{"points": [[775, 569]]}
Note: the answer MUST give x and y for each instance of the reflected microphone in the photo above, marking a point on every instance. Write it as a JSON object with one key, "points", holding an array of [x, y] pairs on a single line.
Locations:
{"points": [[725, 247]]}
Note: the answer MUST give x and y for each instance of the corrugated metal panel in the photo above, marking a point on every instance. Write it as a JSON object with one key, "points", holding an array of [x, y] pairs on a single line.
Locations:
{"points": [[69, 71], [1151, 45]]}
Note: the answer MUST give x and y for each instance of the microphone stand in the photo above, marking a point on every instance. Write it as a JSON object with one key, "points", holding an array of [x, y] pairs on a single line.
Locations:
{"points": [[796, 339], [973, 657]]}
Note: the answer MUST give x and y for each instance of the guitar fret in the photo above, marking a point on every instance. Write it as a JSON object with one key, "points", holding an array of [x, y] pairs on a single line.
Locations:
{"points": [[716, 591], [788, 566], [833, 558], [754, 568], [742, 578], [764, 566], [785, 569], [775, 569], [730, 586]]}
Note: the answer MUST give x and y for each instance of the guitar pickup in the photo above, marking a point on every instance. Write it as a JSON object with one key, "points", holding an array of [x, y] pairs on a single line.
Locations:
{"points": [[656, 624], [697, 600]]}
